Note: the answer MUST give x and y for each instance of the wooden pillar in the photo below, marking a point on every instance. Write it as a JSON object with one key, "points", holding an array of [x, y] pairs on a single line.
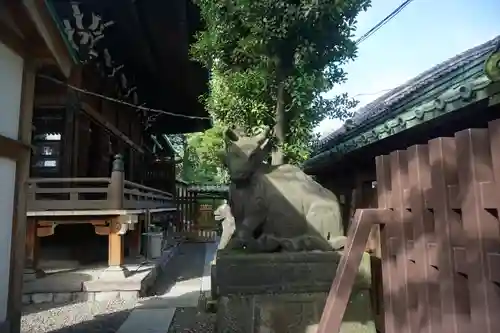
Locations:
{"points": [[178, 206], [105, 138], [131, 165], [83, 142], [182, 211], [115, 244], [116, 186], [32, 250], [196, 209], [70, 134], [171, 176], [190, 207]]}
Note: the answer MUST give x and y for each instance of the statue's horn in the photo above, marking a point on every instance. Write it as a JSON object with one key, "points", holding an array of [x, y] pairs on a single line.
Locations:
{"points": [[231, 135], [264, 134]]}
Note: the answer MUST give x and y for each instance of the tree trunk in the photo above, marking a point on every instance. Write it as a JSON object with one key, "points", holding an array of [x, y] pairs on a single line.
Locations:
{"points": [[278, 156]]}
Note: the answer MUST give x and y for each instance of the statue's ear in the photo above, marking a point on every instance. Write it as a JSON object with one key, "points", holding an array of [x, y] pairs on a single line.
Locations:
{"points": [[264, 135], [267, 145], [231, 135]]}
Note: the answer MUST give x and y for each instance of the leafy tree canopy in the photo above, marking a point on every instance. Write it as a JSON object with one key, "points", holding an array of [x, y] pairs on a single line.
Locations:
{"points": [[201, 162], [272, 61]]}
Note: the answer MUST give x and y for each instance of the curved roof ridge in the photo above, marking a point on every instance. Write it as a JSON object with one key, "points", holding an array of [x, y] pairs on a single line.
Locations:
{"points": [[381, 104]]}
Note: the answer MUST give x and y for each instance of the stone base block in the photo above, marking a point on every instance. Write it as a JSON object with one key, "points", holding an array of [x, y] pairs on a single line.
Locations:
{"points": [[105, 285], [30, 274], [285, 292], [291, 313], [115, 273], [64, 298]]}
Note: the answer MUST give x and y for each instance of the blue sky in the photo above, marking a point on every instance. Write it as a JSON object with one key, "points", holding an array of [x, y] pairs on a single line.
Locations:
{"points": [[425, 33]]}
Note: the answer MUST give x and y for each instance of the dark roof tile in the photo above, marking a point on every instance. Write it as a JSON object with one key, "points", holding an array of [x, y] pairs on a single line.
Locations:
{"points": [[383, 105]]}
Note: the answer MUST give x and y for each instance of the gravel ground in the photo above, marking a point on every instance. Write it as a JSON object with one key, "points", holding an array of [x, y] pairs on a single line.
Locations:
{"points": [[190, 320], [107, 317], [102, 317]]}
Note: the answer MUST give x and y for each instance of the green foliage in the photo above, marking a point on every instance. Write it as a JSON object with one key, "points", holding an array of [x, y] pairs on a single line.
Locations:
{"points": [[201, 163], [253, 46]]}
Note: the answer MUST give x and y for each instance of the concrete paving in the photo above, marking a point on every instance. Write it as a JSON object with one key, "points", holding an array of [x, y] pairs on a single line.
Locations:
{"points": [[179, 286], [148, 321]]}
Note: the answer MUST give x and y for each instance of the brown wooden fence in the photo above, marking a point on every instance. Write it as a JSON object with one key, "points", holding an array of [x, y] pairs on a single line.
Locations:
{"points": [[195, 221], [186, 208], [438, 210]]}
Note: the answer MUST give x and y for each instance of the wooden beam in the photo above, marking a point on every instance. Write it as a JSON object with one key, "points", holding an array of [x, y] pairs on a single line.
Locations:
{"points": [[69, 154], [146, 48], [11, 39], [101, 227], [47, 28], [32, 245], [44, 231], [112, 128], [29, 39], [21, 17], [12, 149]]}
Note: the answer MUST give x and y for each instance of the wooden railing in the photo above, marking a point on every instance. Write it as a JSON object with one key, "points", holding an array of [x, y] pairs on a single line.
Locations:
{"points": [[438, 211], [68, 193], [140, 196], [115, 192]]}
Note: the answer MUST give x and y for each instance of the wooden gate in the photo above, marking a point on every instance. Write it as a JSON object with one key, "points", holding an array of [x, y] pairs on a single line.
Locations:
{"points": [[196, 221], [206, 227], [438, 208]]}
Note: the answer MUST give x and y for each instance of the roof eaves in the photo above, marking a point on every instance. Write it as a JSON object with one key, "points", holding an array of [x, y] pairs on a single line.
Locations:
{"points": [[473, 90], [383, 105]]}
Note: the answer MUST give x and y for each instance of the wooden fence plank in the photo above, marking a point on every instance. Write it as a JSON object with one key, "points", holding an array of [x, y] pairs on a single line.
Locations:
{"points": [[399, 244], [425, 277], [481, 227], [441, 250], [449, 235], [388, 265]]}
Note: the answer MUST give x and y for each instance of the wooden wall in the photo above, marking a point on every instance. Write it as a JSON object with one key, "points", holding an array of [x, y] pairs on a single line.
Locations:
{"points": [[92, 132]]}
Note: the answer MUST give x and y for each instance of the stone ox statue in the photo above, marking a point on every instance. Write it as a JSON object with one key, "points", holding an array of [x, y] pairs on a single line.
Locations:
{"points": [[277, 208]]}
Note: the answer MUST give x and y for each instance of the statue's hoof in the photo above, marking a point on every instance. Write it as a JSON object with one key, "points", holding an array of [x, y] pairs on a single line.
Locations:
{"points": [[338, 243]]}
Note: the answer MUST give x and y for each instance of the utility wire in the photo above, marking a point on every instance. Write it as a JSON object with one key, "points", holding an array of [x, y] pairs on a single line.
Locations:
{"points": [[383, 22], [143, 108], [114, 100]]}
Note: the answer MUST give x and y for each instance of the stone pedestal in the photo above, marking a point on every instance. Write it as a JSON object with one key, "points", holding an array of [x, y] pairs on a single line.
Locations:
{"points": [[284, 292]]}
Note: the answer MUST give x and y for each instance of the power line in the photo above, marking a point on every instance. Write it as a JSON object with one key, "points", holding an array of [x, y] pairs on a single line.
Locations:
{"points": [[114, 100], [383, 22], [143, 108], [83, 91]]}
